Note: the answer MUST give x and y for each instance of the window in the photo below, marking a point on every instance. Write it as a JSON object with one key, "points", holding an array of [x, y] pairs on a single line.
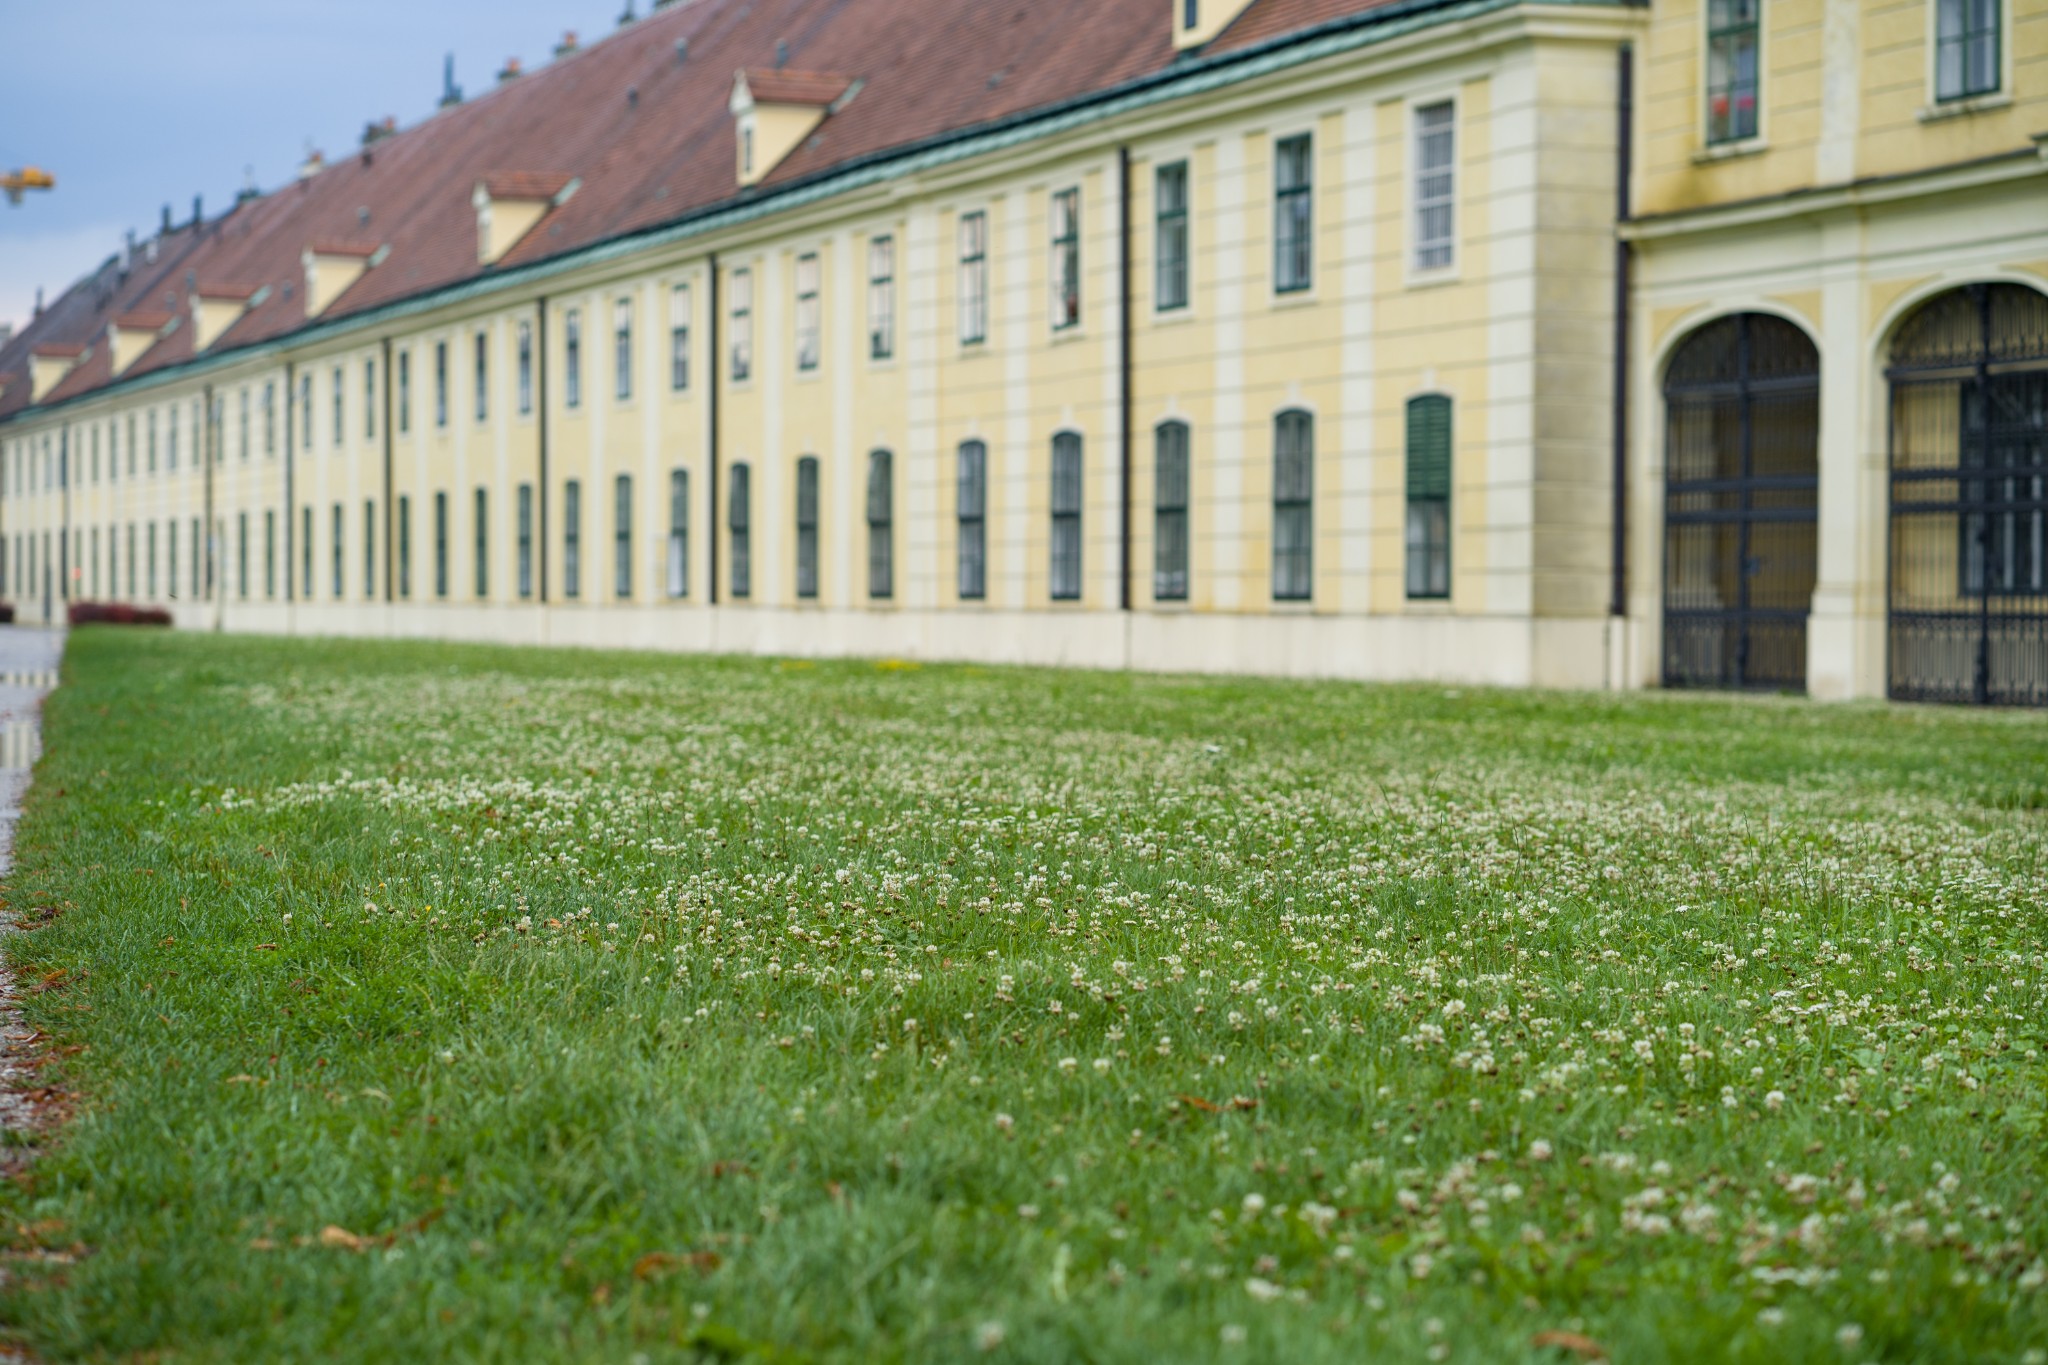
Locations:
{"points": [[335, 404], [736, 518], [525, 335], [881, 524], [1191, 14], [170, 556], [881, 298], [572, 539], [305, 419], [441, 384], [242, 430], [679, 338], [807, 526], [1435, 187], [483, 542], [305, 552], [269, 425], [1170, 237], [1731, 70], [678, 533], [404, 392], [340, 532], [1294, 456], [269, 565], [746, 149], [483, 377], [1293, 214], [525, 515], [973, 278], [622, 537], [622, 349], [1429, 496], [152, 440], [441, 544], [807, 312], [369, 400], [1066, 517], [369, 550], [742, 325], [241, 556], [405, 546], [972, 499], [572, 358], [1966, 48], [170, 444], [1170, 512], [2002, 431], [1066, 259]]}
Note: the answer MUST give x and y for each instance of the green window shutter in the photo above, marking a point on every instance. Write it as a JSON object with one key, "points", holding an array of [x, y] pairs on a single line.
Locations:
{"points": [[1429, 448]]}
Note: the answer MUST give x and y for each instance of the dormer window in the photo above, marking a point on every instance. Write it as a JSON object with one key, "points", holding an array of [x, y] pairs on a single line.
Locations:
{"points": [[775, 109], [510, 204], [1195, 23], [1191, 13]]}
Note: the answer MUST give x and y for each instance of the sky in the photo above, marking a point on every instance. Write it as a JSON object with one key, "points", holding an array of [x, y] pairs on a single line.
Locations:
{"points": [[134, 104]]}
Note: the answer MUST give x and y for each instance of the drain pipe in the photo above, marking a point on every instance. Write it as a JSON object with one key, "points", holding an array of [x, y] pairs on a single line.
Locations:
{"points": [[291, 424], [390, 536], [1624, 155], [540, 384], [711, 419], [1124, 369]]}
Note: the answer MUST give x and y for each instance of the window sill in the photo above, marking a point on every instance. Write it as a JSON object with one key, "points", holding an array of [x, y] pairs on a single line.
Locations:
{"points": [[1431, 279], [1295, 298], [1426, 606], [1965, 106], [1734, 150], [1062, 336], [1173, 317]]}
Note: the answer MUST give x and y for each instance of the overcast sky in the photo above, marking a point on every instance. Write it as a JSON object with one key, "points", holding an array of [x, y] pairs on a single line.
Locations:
{"points": [[134, 104]]}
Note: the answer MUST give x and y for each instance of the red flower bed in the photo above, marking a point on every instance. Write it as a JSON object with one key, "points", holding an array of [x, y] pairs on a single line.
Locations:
{"points": [[117, 614]]}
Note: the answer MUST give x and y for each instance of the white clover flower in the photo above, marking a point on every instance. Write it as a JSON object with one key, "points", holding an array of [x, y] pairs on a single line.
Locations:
{"points": [[1539, 1150]]}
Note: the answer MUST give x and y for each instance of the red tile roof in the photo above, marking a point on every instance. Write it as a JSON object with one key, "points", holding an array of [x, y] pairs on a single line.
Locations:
{"points": [[770, 86], [143, 322], [524, 184], [645, 125], [60, 350]]}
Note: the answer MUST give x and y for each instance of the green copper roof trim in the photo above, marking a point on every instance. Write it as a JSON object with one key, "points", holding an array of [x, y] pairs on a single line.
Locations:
{"points": [[1178, 81]]}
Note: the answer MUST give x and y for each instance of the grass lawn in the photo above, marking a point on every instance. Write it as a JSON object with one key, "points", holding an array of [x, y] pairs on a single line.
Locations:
{"points": [[424, 1002]]}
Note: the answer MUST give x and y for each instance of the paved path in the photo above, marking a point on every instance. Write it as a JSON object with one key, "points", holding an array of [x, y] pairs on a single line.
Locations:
{"points": [[28, 670]]}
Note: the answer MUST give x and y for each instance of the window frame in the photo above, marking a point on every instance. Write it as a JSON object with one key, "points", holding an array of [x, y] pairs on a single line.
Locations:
{"points": [[622, 538], [1438, 532], [677, 578], [1420, 268], [523, 334], [622, 349], [441, 385], [523, 530], [679, 338], [739, 531], [971, 517], [483, 376], [971, 281], [572, 539], [480, 524], [808, 318], [572, 358], [1063, 224], [1966, 98], [1294, 214], [441, 544], [1710, 34], [740, 325], [1293, 570], [881, 298], [881, 519], [1172, 224], [1066, 578], [807, 528], [1171, 502]]}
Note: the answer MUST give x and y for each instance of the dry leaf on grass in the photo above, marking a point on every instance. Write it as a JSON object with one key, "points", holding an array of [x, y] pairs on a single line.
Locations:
{"points": [[1577, 1343]]}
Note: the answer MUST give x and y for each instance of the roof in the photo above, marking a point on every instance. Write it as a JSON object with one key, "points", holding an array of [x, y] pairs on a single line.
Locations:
{"points": [[771, 86], [642, 120], [143, 322], [524, 184]]}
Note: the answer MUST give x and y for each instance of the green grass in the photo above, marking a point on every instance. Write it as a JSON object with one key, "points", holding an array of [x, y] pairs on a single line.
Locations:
{"points": [[626, 1008]]}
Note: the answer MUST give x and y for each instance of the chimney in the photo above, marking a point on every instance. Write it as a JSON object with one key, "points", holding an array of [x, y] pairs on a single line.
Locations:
{"points": [[510, 71], [312, 165], [567, 45], [166, 228], [198, 210], [626, 16], [451, 93]]}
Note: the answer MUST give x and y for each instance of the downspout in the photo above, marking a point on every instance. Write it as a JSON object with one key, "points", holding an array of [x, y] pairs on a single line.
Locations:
{"points": [[1124, 366], [390, 538], [541, 435], [209, 434], [291, 426], [1624, 157], [64, 555], [711, 419]]}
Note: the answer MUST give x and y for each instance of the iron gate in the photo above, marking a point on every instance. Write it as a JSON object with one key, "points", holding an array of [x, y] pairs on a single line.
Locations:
{"points": [[1969, 499], [1741, 482]]}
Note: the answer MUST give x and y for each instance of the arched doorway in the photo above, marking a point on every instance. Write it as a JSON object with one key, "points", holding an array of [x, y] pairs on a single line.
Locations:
{"points": [[1741, 479], [1969, 499]]}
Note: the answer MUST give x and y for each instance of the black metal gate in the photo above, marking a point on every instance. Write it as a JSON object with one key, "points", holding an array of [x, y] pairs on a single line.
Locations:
{"points": [[1969, 499], [1741, 483]]}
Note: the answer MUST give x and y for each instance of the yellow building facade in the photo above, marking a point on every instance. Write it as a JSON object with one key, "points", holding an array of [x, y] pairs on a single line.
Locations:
{"points": [[1360, 351]]}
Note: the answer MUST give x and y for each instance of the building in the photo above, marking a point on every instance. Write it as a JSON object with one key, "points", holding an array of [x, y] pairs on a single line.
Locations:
{"points": [[1461, 339]]}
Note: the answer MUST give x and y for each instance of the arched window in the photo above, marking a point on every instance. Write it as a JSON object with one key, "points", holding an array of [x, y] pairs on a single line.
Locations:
{"points": [[1170, 512], [807, 526], [1969, 498], [1294, 457], [881, 525], [1741, 480], [1429, 496], [1066, 517]]}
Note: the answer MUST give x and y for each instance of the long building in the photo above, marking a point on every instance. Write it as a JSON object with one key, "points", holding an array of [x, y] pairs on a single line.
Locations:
{"points": [[1583, 344]]}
